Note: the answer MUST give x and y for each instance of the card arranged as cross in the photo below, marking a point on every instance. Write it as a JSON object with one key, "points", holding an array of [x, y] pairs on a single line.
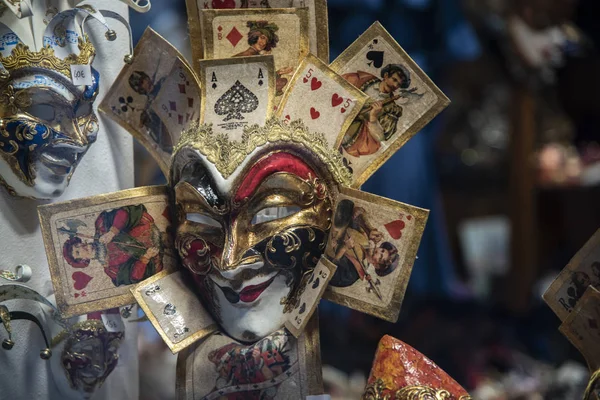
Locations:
{"points": [[582, 271], [237, 92], [312, 291], [373, 241], [323, 100], [402, 100], [155, 97]]}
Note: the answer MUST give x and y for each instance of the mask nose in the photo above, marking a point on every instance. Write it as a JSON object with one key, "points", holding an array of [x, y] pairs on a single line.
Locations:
{"points": [[235, 251]]}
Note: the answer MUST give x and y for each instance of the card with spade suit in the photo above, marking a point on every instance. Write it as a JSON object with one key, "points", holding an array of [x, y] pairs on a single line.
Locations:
{"points": [[173, 309], [322, 99], [155, 97], [582, 271], [236, 93], [402, 100], [373, 241], [318, 27], [312, 288], [582, 327], [280, 32], [99, 247]]}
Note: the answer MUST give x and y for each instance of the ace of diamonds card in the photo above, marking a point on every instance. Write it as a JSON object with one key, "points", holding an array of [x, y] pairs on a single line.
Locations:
{"points": [[237, 92], [402, 100], [323, 100]]}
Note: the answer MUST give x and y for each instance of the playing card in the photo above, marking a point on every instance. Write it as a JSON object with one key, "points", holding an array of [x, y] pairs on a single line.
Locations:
{"points": [[237, 92], [582, 327], [278, 366], [582, 271], [402, 100], [312, 288], [318, 30], [175, 311], [98, 247], [373, 241], [282, 33], [322, 99], [155, 97]]}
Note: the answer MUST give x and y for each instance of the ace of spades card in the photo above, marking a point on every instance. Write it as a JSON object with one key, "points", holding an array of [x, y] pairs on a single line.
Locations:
{"points": [[582, 327], [582, 271], [402, 100], [323, 100], [154, 97], [311, 293], [373, 241], [282, 33], [237, 92]]}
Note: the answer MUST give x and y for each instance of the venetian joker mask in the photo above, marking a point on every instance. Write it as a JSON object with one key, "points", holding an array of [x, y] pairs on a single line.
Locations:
{"points": [[253, 220], [47, 123]]}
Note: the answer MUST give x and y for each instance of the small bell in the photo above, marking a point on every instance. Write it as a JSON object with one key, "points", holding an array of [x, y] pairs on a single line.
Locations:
{"points": [[7, 344], [45, 354], [111, 35]]}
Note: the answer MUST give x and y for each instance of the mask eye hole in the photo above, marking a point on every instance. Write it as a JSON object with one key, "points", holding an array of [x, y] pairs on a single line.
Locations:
{"points": [[42, 111], [83, 110], [203, 219], [274, 213]]}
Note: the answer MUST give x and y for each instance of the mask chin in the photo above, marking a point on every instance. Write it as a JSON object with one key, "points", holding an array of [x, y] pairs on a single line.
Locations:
{"points": [[47, 185]]}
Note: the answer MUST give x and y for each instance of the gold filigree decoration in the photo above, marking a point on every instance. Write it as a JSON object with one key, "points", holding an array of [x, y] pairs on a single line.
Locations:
{"points": [[227, 156], [22, 57], [375, 391]]}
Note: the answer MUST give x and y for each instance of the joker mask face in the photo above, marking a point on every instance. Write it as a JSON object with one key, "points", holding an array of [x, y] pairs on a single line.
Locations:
{"points": [[248, 239]]}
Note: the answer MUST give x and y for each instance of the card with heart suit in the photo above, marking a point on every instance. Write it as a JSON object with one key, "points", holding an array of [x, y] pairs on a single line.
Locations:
{"points": [[237, 92], [582, 327], [582, 271], [279, 366], [318, 28], [309, 298], [99, 247], [155, 97], [323, 100], [174, 310], [280, 32], [402, 100], [373, 241]]}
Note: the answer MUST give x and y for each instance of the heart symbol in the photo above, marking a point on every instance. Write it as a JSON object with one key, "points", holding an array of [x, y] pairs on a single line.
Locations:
{"points": [[314, 114], [336, 100], [223, 4], [316, 283], [409, 217], [376, 58], [394, 228], [305, 79], [288, 117], [81, 280], [77, 295], [302, 308], [316, 84], [343, 110]]}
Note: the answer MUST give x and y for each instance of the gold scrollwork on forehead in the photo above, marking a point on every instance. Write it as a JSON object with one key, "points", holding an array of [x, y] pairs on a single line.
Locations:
{"points": [[22, 57], [375, 391], [227, 155]]}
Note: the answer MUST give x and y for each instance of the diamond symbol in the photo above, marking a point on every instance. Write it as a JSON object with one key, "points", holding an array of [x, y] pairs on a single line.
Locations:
{"points": [[234, 36]]}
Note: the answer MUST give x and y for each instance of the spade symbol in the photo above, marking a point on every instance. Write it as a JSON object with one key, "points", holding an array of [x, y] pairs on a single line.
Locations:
{"points": [[214, 85], [302, 308], [260, 83], [347, 165], [375, 41], [236, 101], [376, 58], [316, 283], [312, 276]]}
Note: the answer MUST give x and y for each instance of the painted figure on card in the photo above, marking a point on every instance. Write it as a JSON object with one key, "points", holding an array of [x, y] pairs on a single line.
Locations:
{"points": [[144, 85], [379, 121], [262, 39], [579, 283], [127, 243], [356, 244]]}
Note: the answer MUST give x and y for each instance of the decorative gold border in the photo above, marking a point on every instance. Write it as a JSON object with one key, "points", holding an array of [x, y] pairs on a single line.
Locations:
{"points": [[309, 357], [378, 30], [361, 98], [268, 60], [549, 295], [195, 32], [174, 347], [45, 212], [104, 107], [322, 33], [391, 311], [289, 325], [208, 16]]}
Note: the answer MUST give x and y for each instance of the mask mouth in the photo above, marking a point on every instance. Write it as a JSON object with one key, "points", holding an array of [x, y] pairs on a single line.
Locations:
{"points": [[247, 295], [61, 158]]}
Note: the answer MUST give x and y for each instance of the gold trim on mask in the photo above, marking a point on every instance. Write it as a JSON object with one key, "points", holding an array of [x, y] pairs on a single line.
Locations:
{"points": [[375, 390], [22, 57], [227, 156]]}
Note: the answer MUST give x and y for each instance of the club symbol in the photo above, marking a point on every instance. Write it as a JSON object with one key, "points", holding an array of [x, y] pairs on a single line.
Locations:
{"points": [[125, 104]]}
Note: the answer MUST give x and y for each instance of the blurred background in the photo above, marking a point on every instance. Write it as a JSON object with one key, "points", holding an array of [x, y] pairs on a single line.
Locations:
{"points": [[510, 172]]}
